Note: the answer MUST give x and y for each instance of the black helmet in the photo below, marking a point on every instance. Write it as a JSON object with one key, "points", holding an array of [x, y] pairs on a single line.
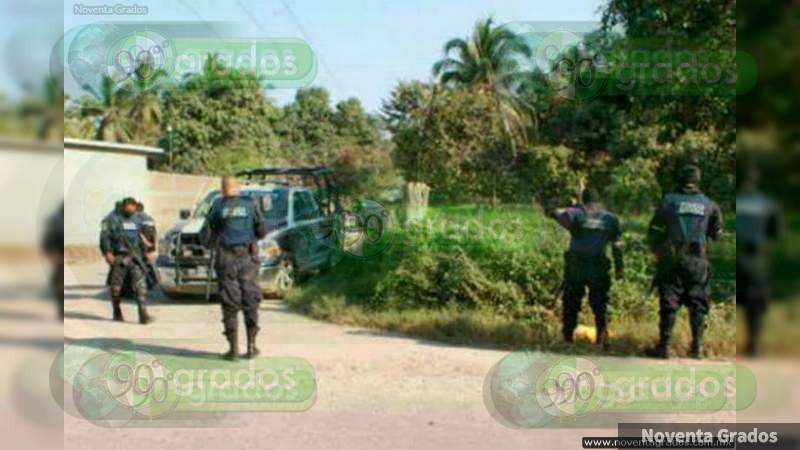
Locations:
{"points": [[590, 195], [690, 175]]}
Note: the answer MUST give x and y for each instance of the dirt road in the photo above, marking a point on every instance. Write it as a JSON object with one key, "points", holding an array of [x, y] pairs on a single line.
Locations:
{"points": [[375, 390]]}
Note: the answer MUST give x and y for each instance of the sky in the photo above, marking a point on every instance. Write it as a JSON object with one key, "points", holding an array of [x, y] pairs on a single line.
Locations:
{"points": [[363, 47]]}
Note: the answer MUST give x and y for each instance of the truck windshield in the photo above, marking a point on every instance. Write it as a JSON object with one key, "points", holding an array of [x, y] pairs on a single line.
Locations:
{"points": [[275, 214]]}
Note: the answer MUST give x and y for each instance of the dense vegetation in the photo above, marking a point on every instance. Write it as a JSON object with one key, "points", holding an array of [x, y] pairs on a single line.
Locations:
{"points": [[220, 121], [491, 276], [489, 128]]}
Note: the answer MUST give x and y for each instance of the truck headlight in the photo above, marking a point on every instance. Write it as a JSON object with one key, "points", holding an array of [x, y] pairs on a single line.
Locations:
{"points": [[269, 250], [166, 247]]}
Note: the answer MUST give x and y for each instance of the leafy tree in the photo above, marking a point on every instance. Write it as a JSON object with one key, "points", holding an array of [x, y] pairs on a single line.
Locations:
{"points": [[454, 144], [405, 100], [145, 113], [48, 109], [221, 122], [307, 121], [351, 121], [75, 125], [488, 60], [109, 107]]}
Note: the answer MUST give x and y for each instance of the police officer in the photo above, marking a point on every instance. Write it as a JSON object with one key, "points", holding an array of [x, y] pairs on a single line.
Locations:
{"points": [[678, 235], [122, 246], [53, 246], [757, 223], [586, 264], [236, 224], [149, 238]]}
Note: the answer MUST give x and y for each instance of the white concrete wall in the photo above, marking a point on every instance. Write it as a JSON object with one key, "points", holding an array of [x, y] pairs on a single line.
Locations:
{"points": [[93, 182], [35, 178], [171, 192], [30, 189]]}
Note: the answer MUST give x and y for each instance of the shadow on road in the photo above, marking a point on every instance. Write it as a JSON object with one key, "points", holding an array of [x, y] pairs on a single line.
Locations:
{"points": [[84, 316], [84, 287], [116, 344], [619, 346], [43, 343]]}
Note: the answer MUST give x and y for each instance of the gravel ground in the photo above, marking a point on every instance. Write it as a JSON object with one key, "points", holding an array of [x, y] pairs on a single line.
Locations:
{"points": [[374, 390]]}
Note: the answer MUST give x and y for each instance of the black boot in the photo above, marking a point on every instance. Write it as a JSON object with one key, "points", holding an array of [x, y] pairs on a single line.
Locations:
{"points": [[252, 350], [117, 303], [696, 351], [602, 339], [661, 350], [753, 318], [233, 343], [144, 317], [601, 325], [698, 322]]}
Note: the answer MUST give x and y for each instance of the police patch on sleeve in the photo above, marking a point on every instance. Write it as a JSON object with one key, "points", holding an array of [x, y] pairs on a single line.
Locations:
{"points": [[695, 209]]}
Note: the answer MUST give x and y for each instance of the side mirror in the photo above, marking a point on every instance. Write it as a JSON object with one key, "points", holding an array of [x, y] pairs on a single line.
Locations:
{"points": [[185, 214]]}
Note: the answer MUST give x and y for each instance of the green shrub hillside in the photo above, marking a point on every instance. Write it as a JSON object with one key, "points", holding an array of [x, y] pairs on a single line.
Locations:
{"points": [[492, 277]]}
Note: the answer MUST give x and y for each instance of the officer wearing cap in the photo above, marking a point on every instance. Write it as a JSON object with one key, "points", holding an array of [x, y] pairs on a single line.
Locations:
{"points": [[592, 228], [122, 246], [678, 236], [236, 223]]}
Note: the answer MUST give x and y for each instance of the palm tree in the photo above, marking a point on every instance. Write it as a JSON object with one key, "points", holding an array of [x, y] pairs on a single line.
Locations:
{"points": [[110, 104], [75, 124], [48, 107], [145, 113], [489, 60]]}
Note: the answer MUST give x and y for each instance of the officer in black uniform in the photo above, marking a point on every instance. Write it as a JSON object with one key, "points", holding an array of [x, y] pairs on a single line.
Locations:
{"points": [[678, 236], [53, 246], [586, 264], [757, 223], [150, 239], [236, 225], [122, 246]]}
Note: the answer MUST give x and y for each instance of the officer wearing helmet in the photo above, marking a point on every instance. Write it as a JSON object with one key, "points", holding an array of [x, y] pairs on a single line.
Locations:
{"points": [[678, 235], [592, 228]]}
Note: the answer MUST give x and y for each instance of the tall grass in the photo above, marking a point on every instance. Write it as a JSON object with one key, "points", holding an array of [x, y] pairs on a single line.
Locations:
{"points": [[491, 277]]}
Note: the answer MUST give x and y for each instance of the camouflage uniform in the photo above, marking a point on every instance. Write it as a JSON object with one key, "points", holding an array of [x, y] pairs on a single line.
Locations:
{"points": [[678, 235], [236, 225], [120, 237], [586, 264], [757, 222]]}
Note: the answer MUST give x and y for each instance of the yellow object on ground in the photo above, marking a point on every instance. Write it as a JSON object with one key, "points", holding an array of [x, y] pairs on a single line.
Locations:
{"points": [[585, 333]]}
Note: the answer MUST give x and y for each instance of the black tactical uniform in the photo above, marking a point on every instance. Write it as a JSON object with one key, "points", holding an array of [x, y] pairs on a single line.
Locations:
{"points": [[757, 223], [53, 245], [236, 224], [586, 264], [120, 236], [678, 235]]}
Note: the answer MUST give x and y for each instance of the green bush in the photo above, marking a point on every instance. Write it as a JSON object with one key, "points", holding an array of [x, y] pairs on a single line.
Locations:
{"points": [[546, 174], [633, 186], [500, 288]]}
